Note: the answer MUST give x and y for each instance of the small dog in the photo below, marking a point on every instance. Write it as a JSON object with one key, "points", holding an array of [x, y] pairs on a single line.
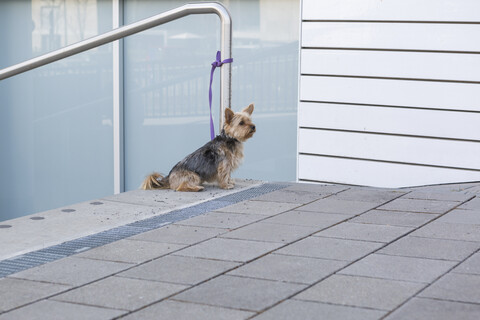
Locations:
{"points": [[215, 161]]}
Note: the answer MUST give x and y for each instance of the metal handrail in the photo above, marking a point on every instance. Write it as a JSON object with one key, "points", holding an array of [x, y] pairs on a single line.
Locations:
{"points": [[119, 33]]}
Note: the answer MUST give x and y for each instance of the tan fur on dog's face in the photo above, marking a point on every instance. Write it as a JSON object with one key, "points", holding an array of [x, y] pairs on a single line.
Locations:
{"points": [[239, 125]]}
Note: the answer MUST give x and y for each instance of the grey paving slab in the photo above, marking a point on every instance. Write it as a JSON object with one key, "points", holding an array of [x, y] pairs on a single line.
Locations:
{"points": [[130, 251], [365, 292], [56, 310], [437, 195], [455, 287], [178, 269], [454, 231], [419, 205], [289, 268], [263, 231], [368, 195], [473, 204], [307, 310], [429, 309], [307, 218], [366, 232], [179, 234], [178, 310], [461, 216], [394, 218], [330, 248], [330, 205], [120, 293], [224, 220], [18, 292], [291, 196], [399, 268], [267, 208], [240, 293], [441, 249], [469, 266], [229, 249], [322, 189], [72, 271], [453, 187]]}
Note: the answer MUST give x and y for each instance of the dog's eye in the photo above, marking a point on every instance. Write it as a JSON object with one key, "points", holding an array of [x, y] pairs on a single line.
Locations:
{"points": [[241, 123]]}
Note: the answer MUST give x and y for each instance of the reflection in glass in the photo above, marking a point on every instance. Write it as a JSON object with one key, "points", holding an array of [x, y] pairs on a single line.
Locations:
{"points": [[55, 121]]}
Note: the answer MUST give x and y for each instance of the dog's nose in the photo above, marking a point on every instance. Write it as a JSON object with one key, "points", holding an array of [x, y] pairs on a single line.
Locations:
{"points": [[252, 127]]}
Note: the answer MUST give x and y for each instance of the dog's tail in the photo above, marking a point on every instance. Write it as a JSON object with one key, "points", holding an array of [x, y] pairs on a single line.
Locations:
{"points": [[155, 181]]}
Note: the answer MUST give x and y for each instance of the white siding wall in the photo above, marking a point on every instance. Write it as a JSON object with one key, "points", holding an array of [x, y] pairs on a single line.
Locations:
{"points": [[389, 92]]}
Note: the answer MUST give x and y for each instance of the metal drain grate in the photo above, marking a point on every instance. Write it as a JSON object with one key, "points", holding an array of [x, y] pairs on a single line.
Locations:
{"points": [[39, 257]]}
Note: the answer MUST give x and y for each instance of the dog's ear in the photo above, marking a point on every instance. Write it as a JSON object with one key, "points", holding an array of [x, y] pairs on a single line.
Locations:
{"points": [[228, 115], [249, 109]]}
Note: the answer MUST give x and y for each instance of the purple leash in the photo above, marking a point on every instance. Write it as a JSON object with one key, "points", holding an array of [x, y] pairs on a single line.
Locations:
{"points": [[215, 64]]}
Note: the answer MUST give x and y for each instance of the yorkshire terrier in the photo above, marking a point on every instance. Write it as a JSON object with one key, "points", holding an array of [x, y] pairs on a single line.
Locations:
{"points": [[215, 161]]}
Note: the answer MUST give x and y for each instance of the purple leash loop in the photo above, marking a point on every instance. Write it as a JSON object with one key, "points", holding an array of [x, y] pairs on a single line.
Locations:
{"points": [[217, 63]]}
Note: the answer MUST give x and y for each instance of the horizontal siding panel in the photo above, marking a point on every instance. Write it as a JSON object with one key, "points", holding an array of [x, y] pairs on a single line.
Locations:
{"points": [[406, 93], [377, 174], [417, 122], [403, 10], [447, 153], [391, 64], [392, 36]]}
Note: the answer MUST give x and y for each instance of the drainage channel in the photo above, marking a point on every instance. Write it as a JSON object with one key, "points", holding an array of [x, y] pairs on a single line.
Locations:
{"points": [[42, 256]]}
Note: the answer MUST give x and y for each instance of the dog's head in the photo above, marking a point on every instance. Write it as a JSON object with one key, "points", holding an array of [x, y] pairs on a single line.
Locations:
{"points": [[239, 124]]}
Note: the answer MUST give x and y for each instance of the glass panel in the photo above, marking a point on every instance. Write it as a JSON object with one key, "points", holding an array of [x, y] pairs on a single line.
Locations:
{"points": [[167, 73], [55, 121]]}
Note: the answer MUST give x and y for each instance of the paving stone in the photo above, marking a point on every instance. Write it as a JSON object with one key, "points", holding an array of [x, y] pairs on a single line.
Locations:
{"points": [[130, 251], [428, 309], [361, 292], [323, 189], [330, 248], [56, 310], [473, 204], [456, 187], [330, 205], [307, 218], [307, 310], [240, 293], [177, 269], [366, 232], [289, 268], [394, 218], [18, 292], [455, 287], [179, 234], [120, 293], [441, 249], [454, 231], [263, 231], [267, 208], [436, 195], [461, 216], [178, 310], [399, 268], [378, 196], [470, 266], [222, 220], [419, 205], [72, 271], [291, 196], [229, 249]]}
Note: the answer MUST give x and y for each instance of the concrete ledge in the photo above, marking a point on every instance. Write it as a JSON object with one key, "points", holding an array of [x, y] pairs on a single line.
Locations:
{"points": [[48, 228]]}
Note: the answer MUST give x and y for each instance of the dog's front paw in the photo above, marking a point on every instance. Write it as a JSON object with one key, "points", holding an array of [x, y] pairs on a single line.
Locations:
{"points": [[227, 186]]}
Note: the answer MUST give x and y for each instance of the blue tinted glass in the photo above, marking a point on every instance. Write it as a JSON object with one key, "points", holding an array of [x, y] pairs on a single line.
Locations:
{"points": [[167, 73], [55, 121]]}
